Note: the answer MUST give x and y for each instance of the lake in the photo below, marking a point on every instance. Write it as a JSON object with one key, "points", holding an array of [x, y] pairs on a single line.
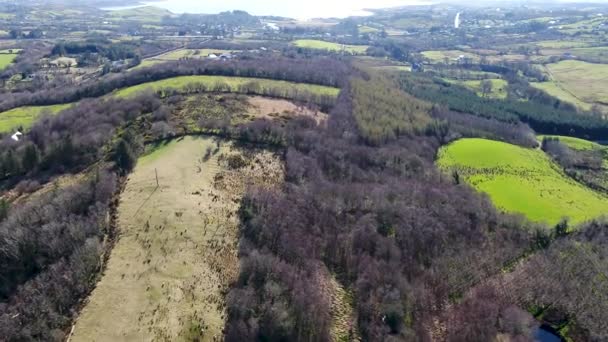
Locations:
{"points": [[293, 9]]}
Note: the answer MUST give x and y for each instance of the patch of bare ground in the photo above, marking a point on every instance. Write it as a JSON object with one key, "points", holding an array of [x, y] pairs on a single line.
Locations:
{"points": [[176, 257], [277, 109]]}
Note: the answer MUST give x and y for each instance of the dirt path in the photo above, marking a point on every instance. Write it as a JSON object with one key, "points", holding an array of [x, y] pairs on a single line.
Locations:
{"points": [[177, 254]]}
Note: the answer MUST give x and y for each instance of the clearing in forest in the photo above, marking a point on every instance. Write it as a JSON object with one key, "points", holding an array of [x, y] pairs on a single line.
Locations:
{"points": [[323, 45], [6, 59], [521, 180], [26, 116], [177, 253]]}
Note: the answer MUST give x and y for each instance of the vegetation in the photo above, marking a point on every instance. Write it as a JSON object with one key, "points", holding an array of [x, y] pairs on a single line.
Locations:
{"points": [[25, 117], [188, 84], [521, 180], [583, 80], [334, 47]]}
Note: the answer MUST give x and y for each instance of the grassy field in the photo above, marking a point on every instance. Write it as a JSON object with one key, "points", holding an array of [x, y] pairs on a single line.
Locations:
{"points": [[575, 143], [555, 90], [177, 253], [586, 81], [181, 53], [322, 45], [439, 56], [230, 83], [146, 14], [26, 116], [521, 180], [499, 87], [6, 59]]}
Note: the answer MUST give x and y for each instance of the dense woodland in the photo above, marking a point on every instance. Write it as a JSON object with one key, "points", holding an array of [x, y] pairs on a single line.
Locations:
{"points": [[421, 255]]}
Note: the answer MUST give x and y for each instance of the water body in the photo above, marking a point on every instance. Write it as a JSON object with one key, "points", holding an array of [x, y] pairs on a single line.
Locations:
{"points": [[292, 9], [546, 334]]}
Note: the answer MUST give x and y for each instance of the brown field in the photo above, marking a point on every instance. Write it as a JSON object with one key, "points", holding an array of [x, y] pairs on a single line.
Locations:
{"points": [[177, 254]]}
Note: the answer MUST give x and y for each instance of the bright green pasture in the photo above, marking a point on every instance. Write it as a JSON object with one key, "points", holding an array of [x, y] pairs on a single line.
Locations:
{"points": [[575, 143], [26, 116], [522, 180], [322, 45], [6, 59], [228, 84]]}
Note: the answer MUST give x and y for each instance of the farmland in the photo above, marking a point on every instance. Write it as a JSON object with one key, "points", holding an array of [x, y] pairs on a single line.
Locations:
{"points": [[322, 45], [499, 87], [230, 84], [521, 180], [178, 54], [555, 90], [26, 116], [440, 56], [584, 80], [177, 254]]}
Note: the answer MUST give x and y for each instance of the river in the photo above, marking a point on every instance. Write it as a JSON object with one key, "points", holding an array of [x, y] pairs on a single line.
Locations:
{"points": [[292, 9]]}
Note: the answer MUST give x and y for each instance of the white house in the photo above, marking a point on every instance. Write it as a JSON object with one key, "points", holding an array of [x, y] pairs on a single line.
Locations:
{"points": [[16, 136]]}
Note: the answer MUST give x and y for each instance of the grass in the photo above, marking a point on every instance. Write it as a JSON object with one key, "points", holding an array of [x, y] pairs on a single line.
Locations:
{"points": [[439, 56], [26, 116], [6, 59], [147, 14], [521, 180], [575, 143], [499, 87], [555, 90], [586, 81], [178, 250], [232, 83], [322, 45]]}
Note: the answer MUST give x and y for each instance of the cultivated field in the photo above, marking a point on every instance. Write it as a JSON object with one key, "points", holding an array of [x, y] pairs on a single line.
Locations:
{"points": [[177, 254], [440, 56], [230, 84], [26, 116], [521, 180], [322, 45], [586, 81]]}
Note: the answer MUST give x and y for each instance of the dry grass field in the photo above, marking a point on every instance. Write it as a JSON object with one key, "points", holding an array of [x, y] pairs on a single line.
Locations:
{"points": [[177, 254]]}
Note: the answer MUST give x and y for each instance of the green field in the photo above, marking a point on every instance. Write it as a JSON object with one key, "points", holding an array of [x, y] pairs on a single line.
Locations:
{"points": [[440, 56], [147, 14], [26, 116], [575, 143], [499, 87], [6, 59], [555, 90], [322, 45], [521, 180], [230, 84], [587, 81]]}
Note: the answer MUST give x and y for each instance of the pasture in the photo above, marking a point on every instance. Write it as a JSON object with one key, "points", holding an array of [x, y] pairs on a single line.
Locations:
{"points": [[575, 143], [6, 59], [520, 180], [586, 81], [231, 84], [335, 47], [26, 116], [451, 56], [556, 91], [177, 254], [499, 87]]}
